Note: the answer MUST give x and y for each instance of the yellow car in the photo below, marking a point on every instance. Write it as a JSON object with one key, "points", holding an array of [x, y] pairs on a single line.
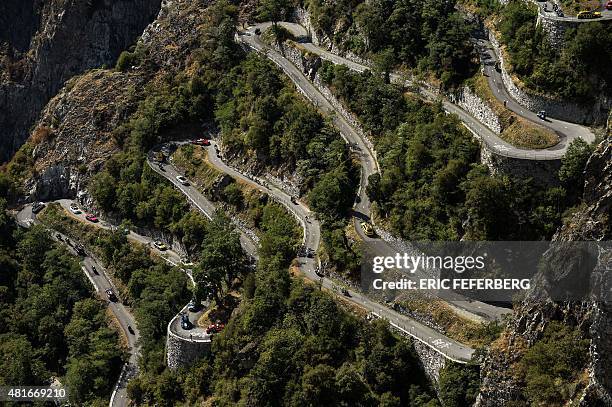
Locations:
{"points": [[586, 14], [368, 230]]}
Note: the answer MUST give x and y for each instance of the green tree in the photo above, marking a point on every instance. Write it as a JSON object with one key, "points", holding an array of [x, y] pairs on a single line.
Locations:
{"points": [[459, 385], [573, 163], [221, 261]]}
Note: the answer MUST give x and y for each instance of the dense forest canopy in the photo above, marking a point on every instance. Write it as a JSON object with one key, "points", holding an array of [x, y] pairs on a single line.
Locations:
{"points": [[427, 36], [51, 323], [579, 69]]}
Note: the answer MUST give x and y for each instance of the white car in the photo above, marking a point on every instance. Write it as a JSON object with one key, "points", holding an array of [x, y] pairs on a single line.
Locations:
{"points": [[182, 180], [74, 208]]}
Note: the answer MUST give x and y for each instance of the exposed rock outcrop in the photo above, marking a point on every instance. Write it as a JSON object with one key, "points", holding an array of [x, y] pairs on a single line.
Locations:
{"points": [[592, 318], [78, 123], [43, 44]]}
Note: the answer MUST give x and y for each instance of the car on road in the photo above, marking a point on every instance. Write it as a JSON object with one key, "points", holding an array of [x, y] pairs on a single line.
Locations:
{"points": [[95, 270], [59, 237], [257, 31], [159, 245], [367, 228], [345, 292], [161, 167], [193, 306], [111, 295], [201, 142], [185, 322], [131, 330], [37, 207], [588, 14], [80, 250], [542, 114], [215, 328], [609, 5], [74, 208], [92, 218], [182, 180]]}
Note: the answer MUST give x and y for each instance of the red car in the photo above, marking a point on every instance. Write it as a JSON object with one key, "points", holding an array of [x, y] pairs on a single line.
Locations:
{"points": [[201, 142], [609, 5], [214, 328], [91, 218]]}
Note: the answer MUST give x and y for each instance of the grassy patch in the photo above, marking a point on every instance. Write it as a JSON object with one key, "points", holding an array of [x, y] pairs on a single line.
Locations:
{"points": [[515, 130], [456, 327], [573, 7], [193, 160], [238, 198]]}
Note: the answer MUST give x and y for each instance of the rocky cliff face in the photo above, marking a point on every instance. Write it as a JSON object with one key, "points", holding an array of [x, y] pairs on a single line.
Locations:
{"points": [[592, 318], [75, 133], [43, 44]]}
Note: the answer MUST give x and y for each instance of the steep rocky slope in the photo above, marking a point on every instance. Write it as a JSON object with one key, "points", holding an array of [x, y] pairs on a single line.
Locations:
{"points": [[592, 318], [75, 133], [43, 44]]}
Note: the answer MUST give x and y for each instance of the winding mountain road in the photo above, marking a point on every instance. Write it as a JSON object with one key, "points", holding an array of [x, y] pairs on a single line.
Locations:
{"points": [[565, 130], [101, 282], [369, 164], [447, 347]]}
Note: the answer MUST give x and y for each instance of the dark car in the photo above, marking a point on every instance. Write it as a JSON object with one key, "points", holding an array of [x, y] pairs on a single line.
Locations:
{"points": [[193, 306], [185, 322], [257, 31], [111, 295], [37, 207], [95, 270], [131, 330]]}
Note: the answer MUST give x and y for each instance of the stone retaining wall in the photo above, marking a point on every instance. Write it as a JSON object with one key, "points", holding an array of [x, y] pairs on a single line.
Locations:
{"points": [[182, 352], [474, 105], [302, 16], [544, 172], [563, 110], [431, 361]]}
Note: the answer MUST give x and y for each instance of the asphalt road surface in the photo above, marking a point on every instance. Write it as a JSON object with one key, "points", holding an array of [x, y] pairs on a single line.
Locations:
{"points": [[101, 281], [446, 346], [566, 131], [369, 165]]}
